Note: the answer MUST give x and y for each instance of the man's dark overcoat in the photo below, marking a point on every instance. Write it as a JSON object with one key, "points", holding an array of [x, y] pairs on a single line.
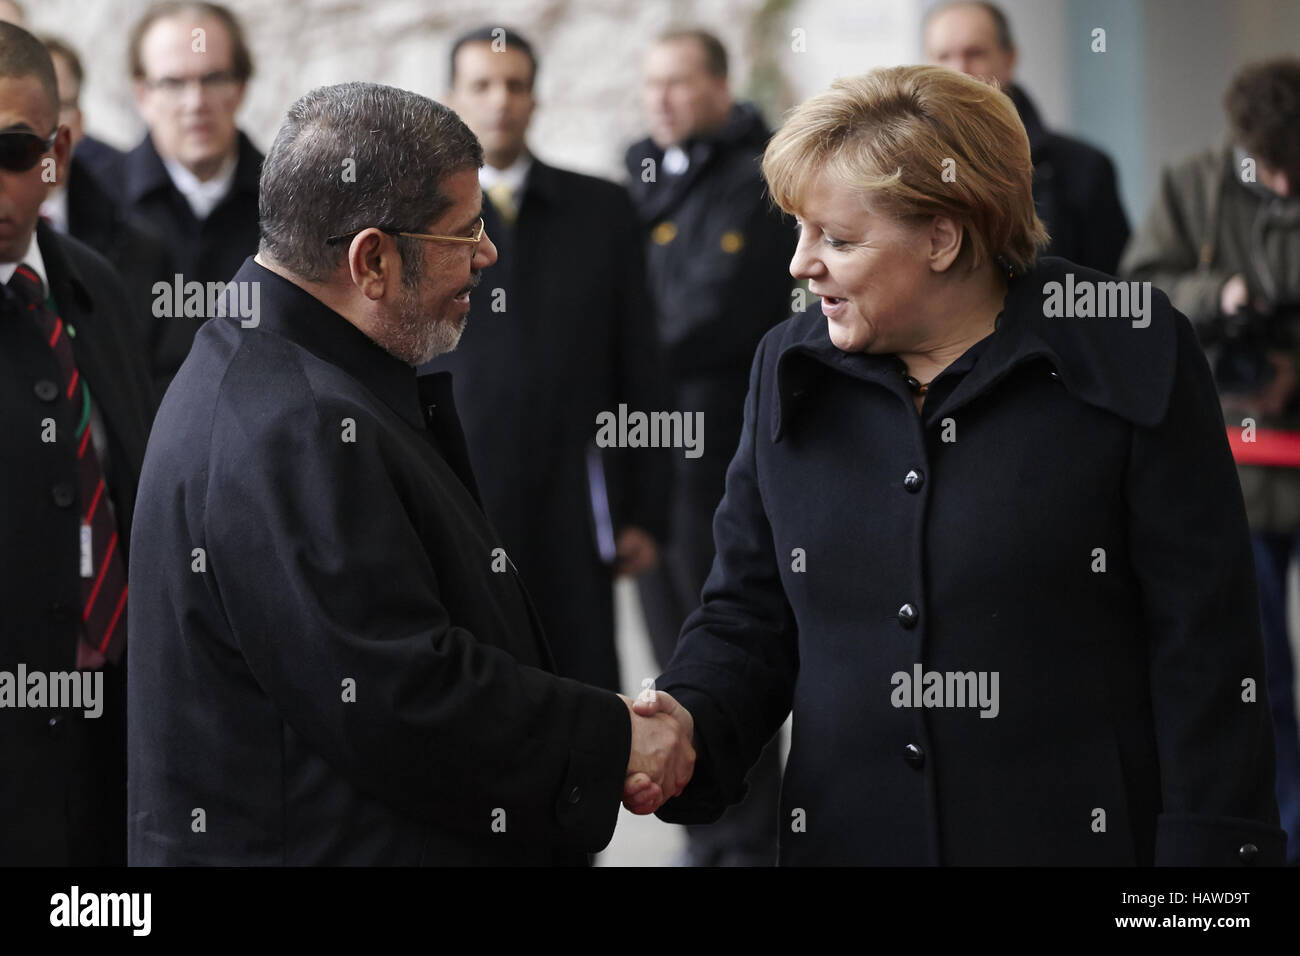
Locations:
{"points": [[63, 782], [332, 660]]}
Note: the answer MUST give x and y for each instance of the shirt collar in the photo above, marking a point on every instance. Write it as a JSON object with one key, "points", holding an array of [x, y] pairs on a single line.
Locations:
{"points": [[514, 175], [32, 257], [203, 197]]}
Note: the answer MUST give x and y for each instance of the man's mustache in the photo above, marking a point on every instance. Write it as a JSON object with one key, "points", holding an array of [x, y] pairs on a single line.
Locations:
{"points": [[475, 278]]}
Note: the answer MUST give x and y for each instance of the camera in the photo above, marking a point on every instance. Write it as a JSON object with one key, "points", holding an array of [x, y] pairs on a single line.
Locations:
{"points": [[1239, 344]]}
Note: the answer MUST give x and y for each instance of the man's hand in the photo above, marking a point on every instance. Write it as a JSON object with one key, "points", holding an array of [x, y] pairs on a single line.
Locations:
{"points": [[635, 550], [663, 753], [1234, 295]]}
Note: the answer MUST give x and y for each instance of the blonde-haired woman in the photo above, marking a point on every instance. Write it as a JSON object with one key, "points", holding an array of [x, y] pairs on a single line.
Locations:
{"points": [[982, 534]]}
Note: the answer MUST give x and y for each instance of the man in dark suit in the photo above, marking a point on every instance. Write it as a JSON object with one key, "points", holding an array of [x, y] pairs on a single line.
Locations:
{"points": [[193, 178], [543, 355], [76, 406], [82, 207], [343, 666], [1075, 189], [718, 260], [70, 74]]}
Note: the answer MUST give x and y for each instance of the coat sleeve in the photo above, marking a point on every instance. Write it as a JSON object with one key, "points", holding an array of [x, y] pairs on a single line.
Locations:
{"points": [[338, 612], [1190, 549], [1165, 250], [737, 659], [726, 299]]}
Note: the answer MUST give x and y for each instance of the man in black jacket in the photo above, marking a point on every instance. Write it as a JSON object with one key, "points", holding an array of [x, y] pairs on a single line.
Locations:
{"points": [[718, 264], [76, 405], [336, 661], [83, 208], [1075, 190], [194, 176], [543, 356]]}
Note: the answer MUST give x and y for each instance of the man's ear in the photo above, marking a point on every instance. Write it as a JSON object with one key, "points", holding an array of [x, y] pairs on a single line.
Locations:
{"points": [[140, 90], [373, 263], [62, 153], [945, 242]]}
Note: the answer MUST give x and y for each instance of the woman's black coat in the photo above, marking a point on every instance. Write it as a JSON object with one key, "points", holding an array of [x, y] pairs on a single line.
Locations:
{"points": [[1065, 514]]}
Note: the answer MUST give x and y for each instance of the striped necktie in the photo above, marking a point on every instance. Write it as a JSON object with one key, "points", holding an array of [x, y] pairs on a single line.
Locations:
{"points": [[103, 572]]}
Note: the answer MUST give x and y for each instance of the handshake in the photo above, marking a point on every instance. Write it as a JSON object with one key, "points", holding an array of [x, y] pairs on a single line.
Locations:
{"points": [[663, 751]]}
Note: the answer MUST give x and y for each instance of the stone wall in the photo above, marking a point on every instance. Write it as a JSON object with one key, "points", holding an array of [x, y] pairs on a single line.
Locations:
{"points": [[587, 87]]}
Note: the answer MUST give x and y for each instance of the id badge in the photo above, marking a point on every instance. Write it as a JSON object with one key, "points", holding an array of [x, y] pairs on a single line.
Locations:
{"points": [[87, 552]]}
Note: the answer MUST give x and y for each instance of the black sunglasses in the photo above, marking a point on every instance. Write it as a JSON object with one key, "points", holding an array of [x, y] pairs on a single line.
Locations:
{"points": [[20, 150]]}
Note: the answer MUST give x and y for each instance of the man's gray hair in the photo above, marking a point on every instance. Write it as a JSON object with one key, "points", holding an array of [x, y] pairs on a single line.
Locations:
{"points": [[353, 156]]}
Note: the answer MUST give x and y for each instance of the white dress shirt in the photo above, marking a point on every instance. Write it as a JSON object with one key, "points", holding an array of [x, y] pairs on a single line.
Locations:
{"points": [[202, 196]]}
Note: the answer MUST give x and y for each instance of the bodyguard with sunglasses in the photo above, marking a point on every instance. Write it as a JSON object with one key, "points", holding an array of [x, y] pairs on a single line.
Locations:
{"points": [[75, 404]]}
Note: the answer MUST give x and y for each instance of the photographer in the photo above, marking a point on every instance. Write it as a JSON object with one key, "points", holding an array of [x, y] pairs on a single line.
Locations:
{"points": [[1222, 238]]}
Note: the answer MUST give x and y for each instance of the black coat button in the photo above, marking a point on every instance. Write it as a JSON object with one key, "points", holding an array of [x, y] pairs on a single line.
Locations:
{"points": [[56, 725], [63, 494], [913, 480], [907, 616], [46, 390], [575, 795], [1247, 853], [914, 755], [1056, 376]]}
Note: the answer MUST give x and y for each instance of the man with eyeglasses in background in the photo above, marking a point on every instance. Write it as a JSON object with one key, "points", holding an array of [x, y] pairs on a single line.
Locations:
{"points": [[79, 205], [74, 410], [194, 176]]}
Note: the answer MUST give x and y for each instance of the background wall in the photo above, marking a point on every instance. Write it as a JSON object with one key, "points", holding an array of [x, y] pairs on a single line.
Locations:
{"points": [[1153, 96]]}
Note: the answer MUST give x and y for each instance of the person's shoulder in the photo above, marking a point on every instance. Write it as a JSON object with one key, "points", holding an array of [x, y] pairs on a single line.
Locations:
{"points": [[99, 158], [1199, 168], [74, 260], [248, 385], [638, 151], [1116, 342], [1080, 164], [582, 186], [247, 150]]}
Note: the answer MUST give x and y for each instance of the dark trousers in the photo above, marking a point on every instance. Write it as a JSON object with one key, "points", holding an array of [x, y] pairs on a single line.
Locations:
{"points": [[746, 835], [1273, 556]]}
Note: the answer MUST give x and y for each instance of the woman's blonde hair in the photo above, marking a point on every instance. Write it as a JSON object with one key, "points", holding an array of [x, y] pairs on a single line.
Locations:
{"points": [[920, 141]]}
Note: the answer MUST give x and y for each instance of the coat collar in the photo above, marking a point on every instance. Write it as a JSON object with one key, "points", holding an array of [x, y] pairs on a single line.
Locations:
{"points": [[92, 213], [144, 172], [294, 313], [66, 284], [1106, 362]]}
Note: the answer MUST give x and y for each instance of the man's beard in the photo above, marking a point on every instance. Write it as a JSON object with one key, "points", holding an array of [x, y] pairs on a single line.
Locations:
{"points": [[412, 337]]}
